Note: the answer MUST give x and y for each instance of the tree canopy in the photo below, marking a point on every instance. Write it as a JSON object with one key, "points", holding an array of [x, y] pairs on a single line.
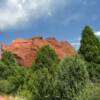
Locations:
{"points": [[90, 46]]}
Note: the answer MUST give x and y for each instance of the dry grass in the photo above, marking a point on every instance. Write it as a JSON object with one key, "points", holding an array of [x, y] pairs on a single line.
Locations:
{"points": [[11, 98]]}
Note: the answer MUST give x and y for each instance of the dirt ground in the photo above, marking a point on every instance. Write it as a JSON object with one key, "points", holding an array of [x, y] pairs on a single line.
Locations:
{"points": [[2, 98]]}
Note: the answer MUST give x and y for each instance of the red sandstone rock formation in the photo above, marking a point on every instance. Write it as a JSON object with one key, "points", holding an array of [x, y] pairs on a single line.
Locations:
{"points": [[25, 49]]}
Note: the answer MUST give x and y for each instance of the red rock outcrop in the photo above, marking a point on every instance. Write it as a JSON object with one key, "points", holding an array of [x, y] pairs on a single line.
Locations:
{"points": [[25, 49]]}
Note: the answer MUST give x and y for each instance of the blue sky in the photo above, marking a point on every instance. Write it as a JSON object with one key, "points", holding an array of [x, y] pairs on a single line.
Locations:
{"points": [[63, 19]]}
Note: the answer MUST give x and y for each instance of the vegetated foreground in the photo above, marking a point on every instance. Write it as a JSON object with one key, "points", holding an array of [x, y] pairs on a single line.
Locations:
{"points": [[74, 77]]}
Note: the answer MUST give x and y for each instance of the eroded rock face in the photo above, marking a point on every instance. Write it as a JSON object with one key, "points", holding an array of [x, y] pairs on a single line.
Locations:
{"points": [[0, 51], [25, 49]]}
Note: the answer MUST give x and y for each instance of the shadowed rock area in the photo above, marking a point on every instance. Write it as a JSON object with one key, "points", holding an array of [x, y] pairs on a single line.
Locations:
{"points": [[25, 49]]}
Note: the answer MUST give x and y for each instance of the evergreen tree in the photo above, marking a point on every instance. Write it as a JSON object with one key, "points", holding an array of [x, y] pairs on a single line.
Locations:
{"points": [[90, 46], [90, 50], [46, 57], [42, 80]]}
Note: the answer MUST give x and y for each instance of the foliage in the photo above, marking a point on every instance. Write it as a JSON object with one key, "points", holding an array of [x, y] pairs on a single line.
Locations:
{"points": [[38, 85], [43, 85], [26, 86], [90, 46], [72, 78], [45, 66], [26, 94], [46, 57], [90, 92], [8, 58], [11, 75], [3, 70], [11, 81], [5, 87], [94, 71], [42, 77], [49, 80], [90, 50]]}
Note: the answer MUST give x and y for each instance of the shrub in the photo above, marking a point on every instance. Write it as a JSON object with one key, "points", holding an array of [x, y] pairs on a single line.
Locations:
{"points": [[11, 76], [8, 58], [4, 71], [46, 57], [26, 94], [94, 71], [91, 92], [72, 78], [5, 87], [45, 66], [43, 85]]}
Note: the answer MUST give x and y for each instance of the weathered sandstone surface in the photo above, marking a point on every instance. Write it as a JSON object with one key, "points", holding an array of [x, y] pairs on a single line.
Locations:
{"points": [[25, 49]]}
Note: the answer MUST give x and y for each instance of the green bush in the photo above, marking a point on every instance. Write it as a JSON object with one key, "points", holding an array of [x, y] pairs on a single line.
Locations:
{"points": [[4, 71], [45, 66], [5, 87], [26, 80], [14, 79], [72, 78], [39, 86], [90, 92], [8, 58], [43, 85], [10, 73], [25, 94], [46, 57], [94, 71]]}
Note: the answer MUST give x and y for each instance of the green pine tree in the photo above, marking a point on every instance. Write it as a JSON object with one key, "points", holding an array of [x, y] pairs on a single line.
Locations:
{"points": [[90, 50], [46, 57], [90, 45], [43, 78]]}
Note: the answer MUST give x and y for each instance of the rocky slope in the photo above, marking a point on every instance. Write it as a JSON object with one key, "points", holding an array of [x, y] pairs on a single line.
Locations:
{"points": [[25, 49]]}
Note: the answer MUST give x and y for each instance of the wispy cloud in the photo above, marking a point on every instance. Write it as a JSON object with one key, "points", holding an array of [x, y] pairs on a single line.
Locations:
{"points": [[13, 12], [74, 17], [76, 42], [97, 33]]}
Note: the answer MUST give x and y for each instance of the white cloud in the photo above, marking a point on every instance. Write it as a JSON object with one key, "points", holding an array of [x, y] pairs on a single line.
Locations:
{"points": [[14, 12], [97, 33], [76, 45], [72, 18], [76, 42], [78, 39]]}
